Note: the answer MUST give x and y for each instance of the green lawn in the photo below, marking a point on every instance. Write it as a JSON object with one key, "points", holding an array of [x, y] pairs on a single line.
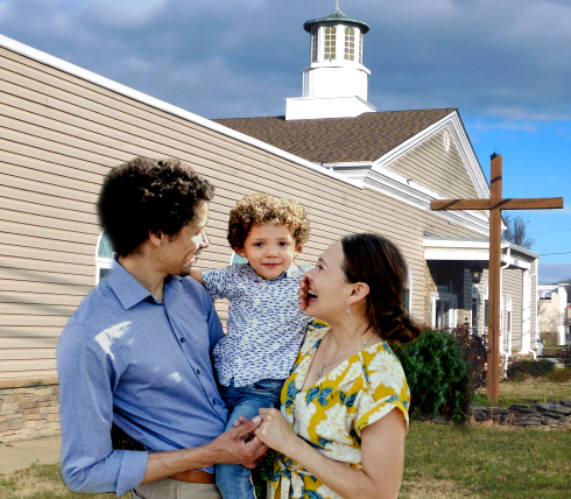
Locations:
{"points": [[442, 462], [512, 392], [460, 462]]}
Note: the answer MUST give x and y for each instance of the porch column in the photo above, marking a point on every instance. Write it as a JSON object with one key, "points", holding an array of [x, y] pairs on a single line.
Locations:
{"points": [[526, 313], [562, 312]]}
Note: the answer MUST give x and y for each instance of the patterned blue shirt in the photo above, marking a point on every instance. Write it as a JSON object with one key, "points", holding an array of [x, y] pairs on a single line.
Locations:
{"points": [[126, 358], [265, 326]]}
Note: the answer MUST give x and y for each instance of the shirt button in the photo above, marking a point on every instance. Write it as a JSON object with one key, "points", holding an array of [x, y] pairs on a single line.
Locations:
{"points": [[198, 371], [257, 302], [182, 340]]}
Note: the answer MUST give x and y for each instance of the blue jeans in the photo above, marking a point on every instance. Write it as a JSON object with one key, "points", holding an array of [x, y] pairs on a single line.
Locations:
{"points": [[235, 481]]}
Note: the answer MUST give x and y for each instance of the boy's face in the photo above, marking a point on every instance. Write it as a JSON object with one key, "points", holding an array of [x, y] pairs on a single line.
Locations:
{"points": [[270, 249]]}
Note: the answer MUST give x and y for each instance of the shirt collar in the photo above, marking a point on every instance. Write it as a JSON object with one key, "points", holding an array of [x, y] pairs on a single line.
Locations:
{"points": [[291, 271], [128, 290]]}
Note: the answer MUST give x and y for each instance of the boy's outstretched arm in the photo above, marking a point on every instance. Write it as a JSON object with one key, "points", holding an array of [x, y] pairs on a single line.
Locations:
{"points": [[197, 275]]}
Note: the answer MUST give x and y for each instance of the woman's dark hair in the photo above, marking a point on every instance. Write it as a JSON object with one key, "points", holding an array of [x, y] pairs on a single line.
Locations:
{"points": [[374, 260], [149, 195]]}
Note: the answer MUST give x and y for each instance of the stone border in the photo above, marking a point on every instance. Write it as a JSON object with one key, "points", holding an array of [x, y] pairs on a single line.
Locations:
{"points": [[543, 414]]}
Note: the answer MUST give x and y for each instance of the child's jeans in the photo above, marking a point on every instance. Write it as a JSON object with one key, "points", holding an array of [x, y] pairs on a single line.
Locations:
{"points": [[234, 481]]}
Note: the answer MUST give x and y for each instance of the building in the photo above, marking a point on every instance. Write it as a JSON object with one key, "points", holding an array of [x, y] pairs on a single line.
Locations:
{"points": [[354, 169], [554, 311]]}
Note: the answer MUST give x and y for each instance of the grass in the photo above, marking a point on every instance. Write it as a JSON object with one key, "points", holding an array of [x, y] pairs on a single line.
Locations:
{"points": [[442, 462], [512, 392], [42, 481], [456, 462]]}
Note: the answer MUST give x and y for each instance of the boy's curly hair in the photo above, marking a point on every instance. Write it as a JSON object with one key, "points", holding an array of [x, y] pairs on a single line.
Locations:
{"points": [[260, 209], [149, 195]]}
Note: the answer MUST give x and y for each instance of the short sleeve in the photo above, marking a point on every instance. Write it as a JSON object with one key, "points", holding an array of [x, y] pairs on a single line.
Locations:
{"points": [[387, 389], [217, 282]]}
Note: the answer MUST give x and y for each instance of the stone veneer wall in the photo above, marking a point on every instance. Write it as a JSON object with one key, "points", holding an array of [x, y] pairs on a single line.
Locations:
{"points": [[28, 409]]}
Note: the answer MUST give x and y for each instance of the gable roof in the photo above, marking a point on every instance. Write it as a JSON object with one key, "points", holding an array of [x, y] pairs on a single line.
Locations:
{"points": [[364, 138]]}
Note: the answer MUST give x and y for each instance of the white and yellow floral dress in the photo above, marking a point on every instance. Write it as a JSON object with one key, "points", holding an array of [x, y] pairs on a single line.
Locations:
{"points": [[331, 414]]}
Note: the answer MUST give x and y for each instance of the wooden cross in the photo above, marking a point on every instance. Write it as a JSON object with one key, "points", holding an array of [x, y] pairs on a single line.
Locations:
{"points": [[495, 204]]}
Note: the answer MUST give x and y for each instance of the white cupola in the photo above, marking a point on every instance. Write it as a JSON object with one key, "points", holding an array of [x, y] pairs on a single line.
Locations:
{"points": [[335, 81]]}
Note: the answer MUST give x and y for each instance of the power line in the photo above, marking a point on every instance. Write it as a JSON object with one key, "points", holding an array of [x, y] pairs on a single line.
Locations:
{"points": [[564, 253], [548, 231]]}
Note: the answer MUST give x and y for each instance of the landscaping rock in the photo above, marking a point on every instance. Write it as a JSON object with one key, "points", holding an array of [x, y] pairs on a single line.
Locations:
{"points": [[522, 409], [566, 403], [440, 420], [561, 409], [499, 410], [546, 406]]}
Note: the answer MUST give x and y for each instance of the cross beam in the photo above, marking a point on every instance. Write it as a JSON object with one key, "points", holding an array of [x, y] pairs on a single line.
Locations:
{"points": [[495, 204]]}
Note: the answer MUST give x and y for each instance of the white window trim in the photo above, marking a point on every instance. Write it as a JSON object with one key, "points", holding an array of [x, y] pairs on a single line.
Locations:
{"points": [[409, 287], [101, 262]]}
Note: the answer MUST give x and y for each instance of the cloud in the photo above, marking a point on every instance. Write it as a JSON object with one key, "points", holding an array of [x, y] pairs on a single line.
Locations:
{"points": [[503, 60], [554, 272]]}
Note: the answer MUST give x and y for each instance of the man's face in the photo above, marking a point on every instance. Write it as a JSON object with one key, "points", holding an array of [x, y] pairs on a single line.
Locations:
{"points": [[180, 251]]}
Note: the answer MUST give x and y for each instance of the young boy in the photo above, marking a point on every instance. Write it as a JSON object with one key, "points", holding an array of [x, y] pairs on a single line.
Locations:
{"points": [[265, 325]]}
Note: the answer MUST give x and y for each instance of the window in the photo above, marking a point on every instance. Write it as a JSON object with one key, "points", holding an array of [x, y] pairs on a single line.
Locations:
{"points": [[475, 309], [407, 298], [361, 49], [104, 257], [330, 42], [314, 44], [350, 44], [509, 324], [237, 259]]}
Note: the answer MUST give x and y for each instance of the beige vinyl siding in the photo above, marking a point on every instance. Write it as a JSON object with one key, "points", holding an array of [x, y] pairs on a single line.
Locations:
{"points": [[441, 171], [61, 135]]}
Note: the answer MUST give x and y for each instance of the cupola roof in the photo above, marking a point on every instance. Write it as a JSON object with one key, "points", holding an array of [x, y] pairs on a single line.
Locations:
{"points": [[335, 17]]}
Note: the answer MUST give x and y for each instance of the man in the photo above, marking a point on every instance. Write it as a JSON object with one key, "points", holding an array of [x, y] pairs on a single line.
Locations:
{"points": [[137, 350]]}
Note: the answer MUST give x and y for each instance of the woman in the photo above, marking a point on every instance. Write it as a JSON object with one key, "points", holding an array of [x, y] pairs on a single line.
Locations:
{"points": [[344, 408]]}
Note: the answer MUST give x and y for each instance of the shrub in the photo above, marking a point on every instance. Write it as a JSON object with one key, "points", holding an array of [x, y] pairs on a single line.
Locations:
{"points": [[475, 355], [566, 356], [559, 375], [437, 375], [532, 368]]}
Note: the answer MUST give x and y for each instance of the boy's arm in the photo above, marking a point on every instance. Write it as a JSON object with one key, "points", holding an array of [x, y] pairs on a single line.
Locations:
{"points": [[197, 275]]}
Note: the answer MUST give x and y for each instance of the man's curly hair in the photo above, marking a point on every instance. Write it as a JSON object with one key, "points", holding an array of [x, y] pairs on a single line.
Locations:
{"points": [[149, 195], [260, 209]]}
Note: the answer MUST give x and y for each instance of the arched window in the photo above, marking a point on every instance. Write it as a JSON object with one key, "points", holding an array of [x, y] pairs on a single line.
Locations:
{"points": [[237, 259], [349, 44], [330, 42], [314, 44], [103, 258]]}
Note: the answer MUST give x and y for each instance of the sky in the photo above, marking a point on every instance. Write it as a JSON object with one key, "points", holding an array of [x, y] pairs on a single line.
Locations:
{"points": [[505, 65]]}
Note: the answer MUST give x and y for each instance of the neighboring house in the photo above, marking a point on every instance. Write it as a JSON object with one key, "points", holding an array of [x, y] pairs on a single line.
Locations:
{"points": [[554, 310], [355, 170]]}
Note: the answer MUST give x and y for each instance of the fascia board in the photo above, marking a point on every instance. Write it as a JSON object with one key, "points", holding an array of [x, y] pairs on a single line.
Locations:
{"points": [[469, 159], [456, 244], [118, 88], [456, 254], [395, 186]]}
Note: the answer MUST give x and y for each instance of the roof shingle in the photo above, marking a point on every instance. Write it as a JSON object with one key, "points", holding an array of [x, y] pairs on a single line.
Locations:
{"points": [[339, 140]]}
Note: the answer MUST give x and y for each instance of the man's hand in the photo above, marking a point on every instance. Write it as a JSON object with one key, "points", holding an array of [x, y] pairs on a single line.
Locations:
{"points": [[239, 445]]}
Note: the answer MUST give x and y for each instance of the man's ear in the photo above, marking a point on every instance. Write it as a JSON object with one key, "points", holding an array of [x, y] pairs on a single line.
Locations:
{"points": [[156, 238], [359, 292]]}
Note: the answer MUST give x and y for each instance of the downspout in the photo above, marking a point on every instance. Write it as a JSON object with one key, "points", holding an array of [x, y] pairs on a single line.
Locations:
{"points": [[507, 264]]}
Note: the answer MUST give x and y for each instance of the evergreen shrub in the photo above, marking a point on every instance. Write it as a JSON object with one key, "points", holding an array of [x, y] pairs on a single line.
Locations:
{"points": [[437, 374], [533, 368]]}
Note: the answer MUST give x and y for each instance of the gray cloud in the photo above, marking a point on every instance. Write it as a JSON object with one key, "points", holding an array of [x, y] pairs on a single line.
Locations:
{"points": [[509, 60]]}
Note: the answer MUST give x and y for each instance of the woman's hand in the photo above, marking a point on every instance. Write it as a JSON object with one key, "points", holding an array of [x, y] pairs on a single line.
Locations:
{"points": [[303, 289], [276, 432]]}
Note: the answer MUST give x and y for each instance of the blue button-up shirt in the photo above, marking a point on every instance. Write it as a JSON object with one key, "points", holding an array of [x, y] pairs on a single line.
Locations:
{"points": [[126, 358], [265, 325]]}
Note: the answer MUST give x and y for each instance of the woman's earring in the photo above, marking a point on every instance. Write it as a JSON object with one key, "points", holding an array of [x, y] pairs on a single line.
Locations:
{"points": [[348, 311]]}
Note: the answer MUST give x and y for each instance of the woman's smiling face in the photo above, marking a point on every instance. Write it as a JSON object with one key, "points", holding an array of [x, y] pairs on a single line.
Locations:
{"points": [[328, 287]]}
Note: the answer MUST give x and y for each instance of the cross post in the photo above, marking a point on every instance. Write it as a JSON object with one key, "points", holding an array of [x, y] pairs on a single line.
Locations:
{"points": [[495, 204]]}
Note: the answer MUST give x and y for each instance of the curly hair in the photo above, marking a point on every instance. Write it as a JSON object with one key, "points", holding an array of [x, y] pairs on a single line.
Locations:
{"points": [[149, 195], [376, 261], [260, 209]]}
